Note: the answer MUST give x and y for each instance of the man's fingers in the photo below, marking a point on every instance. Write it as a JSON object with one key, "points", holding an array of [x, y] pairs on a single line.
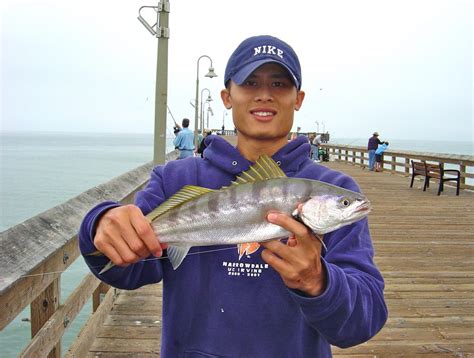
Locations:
{"points": [[269, 256], [117, 251], [144, 232], [125, 235], [292, 241], [114, 256], [288, 223]]}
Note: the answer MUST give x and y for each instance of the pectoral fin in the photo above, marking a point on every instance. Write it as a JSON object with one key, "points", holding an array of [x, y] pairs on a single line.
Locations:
{"points": [[107, 267], [176, 255]]}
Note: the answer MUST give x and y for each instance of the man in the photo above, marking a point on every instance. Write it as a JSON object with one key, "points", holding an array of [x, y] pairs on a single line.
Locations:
{"points": [[317, 143], [289, 299], [374, 142], [184, 141]]}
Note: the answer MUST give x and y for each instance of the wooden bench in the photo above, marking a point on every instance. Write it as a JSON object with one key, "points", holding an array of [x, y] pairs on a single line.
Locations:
{"points": [[435, 171]]}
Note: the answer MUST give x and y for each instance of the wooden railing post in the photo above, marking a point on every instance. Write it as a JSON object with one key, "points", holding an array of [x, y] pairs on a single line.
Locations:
{"points": [[462, 169], [393, 162], [96, 296], [44, 307]]}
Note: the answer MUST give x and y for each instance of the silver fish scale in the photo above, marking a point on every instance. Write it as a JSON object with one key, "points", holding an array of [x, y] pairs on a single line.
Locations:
{"points": [[234, 215]]}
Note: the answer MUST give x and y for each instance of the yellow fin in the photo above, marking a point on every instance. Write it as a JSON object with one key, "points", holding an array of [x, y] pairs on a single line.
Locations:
{"points": [[264, 168], [185, 194]]}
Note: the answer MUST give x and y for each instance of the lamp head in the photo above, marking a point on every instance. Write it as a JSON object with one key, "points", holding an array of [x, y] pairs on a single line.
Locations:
{"points": [[211, 73]]}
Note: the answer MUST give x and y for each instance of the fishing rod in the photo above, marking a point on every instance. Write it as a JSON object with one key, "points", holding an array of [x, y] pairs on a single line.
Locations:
{"points": [[176, 127], [169, 111]]}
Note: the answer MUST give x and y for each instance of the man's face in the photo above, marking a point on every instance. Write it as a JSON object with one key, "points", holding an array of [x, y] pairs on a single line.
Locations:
{"points": [[263, 106]]}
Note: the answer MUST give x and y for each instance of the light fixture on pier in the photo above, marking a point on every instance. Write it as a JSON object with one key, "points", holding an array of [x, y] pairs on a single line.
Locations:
{"points": [[160, 30], [209, 99], [210, 74]]}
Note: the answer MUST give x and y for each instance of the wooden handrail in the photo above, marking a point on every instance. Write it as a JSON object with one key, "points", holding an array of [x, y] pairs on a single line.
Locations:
{"points": [[399, 160], [34, 253]]}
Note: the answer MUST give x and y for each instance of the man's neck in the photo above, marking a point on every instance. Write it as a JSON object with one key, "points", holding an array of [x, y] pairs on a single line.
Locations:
{"points": [[253, 149]]}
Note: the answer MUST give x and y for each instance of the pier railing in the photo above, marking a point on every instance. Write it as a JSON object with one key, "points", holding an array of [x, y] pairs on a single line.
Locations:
{"points": [[35, 253], [399, 161]]}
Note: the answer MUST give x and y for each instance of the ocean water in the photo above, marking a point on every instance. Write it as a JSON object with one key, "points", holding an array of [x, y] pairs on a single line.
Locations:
{"points": [[41, 170]]}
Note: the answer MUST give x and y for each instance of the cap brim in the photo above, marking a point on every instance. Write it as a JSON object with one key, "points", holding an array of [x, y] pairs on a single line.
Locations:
{"points": [[247, 70]]}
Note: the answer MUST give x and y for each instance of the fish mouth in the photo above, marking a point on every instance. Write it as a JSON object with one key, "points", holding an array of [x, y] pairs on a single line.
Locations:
{"points": [[363, 208]]}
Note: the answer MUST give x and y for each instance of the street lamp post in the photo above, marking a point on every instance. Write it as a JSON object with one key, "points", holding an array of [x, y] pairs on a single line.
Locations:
{"points": [[209, 99], [209, 109], [161, 30], [210, 74]]}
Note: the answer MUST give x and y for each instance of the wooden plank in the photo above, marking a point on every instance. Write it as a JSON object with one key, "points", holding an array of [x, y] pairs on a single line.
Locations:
{"points": [[135, 345], [42, 308], [126, 332], [52, 331], [28, 287], [82, 344]]}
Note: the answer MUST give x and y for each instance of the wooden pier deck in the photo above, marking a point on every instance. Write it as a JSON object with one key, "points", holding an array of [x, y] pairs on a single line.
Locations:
{"points": [[425, 248]]}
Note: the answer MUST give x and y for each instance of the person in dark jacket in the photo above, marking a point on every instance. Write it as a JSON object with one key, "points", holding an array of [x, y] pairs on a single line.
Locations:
{"points": [[372, 146], [202, 145], [278, 299]]}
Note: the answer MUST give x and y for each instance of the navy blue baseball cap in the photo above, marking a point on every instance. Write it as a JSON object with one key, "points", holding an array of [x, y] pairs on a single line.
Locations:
{"points": [[257, 51]]}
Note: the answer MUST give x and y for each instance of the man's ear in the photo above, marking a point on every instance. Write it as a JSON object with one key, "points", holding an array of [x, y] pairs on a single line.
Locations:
{"points": [[225, 95], [299, 100]]}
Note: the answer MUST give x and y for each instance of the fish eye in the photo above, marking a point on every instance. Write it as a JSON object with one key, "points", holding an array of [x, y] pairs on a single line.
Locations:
{"points": [[345, 202]]}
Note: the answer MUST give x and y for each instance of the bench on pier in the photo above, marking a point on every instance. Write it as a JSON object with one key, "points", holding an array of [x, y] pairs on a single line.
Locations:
{"points": [[435, 171]]}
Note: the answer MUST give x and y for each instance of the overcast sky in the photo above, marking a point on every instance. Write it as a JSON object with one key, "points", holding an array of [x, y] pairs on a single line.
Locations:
{"points": [[403, 68]]}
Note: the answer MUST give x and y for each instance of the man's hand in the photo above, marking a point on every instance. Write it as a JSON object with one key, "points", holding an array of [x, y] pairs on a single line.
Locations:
{"points": [[125, 236], [299, 261]]}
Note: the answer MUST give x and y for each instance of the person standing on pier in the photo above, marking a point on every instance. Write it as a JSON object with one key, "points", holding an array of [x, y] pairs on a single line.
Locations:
{"points": [[317, 143], [280, 299], [372, 146], [379, 156], [202, 145], [184, 141]]}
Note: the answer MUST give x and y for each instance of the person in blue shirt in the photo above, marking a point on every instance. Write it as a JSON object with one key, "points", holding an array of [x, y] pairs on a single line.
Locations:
{"points": [[379, 155], [277, 300], [184, 141]]}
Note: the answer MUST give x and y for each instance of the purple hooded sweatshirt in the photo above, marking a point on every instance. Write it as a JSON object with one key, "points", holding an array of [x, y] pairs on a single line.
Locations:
{"points": [[217, 305]]}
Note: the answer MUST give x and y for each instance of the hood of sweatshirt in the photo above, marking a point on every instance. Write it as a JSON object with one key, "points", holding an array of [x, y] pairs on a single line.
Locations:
{"points": [[223, 155]]}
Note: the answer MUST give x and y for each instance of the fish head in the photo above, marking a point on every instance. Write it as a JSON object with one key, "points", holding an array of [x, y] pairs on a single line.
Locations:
{"points": [[327, 212]]}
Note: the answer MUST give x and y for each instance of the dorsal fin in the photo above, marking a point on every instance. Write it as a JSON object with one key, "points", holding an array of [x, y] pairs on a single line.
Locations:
{"points": [[264, 168], [185, 194]]}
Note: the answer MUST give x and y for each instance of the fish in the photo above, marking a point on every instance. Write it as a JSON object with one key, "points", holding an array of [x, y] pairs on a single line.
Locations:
{"points": [[236, 214]]}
